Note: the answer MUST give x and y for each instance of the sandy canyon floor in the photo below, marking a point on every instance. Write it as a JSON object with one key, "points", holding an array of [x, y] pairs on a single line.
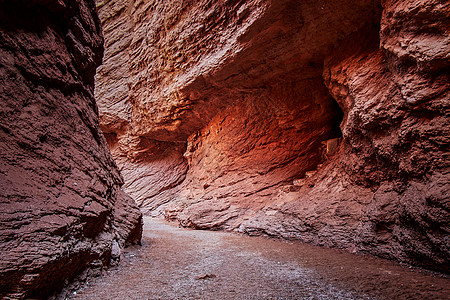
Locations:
{"points": [[177, 263]]}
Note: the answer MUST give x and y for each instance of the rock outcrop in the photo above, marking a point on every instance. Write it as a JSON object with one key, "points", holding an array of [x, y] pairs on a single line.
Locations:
{"points": [[63, 212], [322, 121]]}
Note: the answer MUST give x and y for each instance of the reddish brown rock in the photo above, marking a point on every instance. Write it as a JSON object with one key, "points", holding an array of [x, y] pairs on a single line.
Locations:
{"points": [[386, 190], [63, 213], [256, 90], [194, 63]]}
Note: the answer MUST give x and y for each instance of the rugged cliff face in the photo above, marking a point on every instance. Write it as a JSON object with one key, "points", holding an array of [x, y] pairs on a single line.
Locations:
{"points": [[63, 213], [323, 121]]}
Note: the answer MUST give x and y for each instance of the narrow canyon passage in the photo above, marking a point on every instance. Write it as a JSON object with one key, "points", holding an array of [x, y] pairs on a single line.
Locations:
{"points": [[322, 122], [319, 121], [176, 263]]}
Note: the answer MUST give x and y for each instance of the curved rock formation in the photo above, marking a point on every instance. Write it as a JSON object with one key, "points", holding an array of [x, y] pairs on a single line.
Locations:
{"points": [[323, 121], [63, 213]]}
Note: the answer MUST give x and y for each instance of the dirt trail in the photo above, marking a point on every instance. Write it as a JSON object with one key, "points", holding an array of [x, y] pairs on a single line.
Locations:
{"points": [[176, 263]]}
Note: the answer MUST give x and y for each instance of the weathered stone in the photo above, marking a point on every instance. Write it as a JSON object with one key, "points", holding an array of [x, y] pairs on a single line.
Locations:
{"points": [[233, 63], [62, 208], [248, 91]]}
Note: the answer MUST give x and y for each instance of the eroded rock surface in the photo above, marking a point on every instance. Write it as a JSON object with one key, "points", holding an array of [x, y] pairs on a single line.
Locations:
{"points": [[223, 111], [63, 213]]}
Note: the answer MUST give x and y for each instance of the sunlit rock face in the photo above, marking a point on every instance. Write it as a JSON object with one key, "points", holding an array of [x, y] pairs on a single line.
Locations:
{"points": [[323, 121], [63, 213], [175, 72]]}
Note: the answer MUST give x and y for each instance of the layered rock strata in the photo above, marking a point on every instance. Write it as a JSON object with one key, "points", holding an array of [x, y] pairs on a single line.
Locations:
{"points": [[322, 121], [63, 212]]}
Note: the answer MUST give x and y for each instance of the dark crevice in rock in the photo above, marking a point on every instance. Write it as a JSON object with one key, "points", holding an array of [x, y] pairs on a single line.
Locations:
{"points": [[336, 122]]}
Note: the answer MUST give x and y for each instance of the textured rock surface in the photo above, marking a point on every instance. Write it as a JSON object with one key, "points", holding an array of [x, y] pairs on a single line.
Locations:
{"points": [[251, 90], [63, 213], [192, 66]]}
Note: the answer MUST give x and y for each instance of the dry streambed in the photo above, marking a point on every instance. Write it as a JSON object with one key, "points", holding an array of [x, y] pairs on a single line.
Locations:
{"points": [[176, 263]]}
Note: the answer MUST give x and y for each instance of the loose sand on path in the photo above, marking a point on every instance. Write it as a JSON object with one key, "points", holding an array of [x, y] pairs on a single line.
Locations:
{"points": [[177, 263]]}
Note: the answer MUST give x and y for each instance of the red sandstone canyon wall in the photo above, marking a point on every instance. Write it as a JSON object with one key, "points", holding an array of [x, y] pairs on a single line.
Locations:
{"points": [[63, 212], [218, 114]]}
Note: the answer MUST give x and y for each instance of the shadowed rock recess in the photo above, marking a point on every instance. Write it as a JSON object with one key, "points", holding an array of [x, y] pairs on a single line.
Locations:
{"points": [[62, 211], [320, 121]]}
